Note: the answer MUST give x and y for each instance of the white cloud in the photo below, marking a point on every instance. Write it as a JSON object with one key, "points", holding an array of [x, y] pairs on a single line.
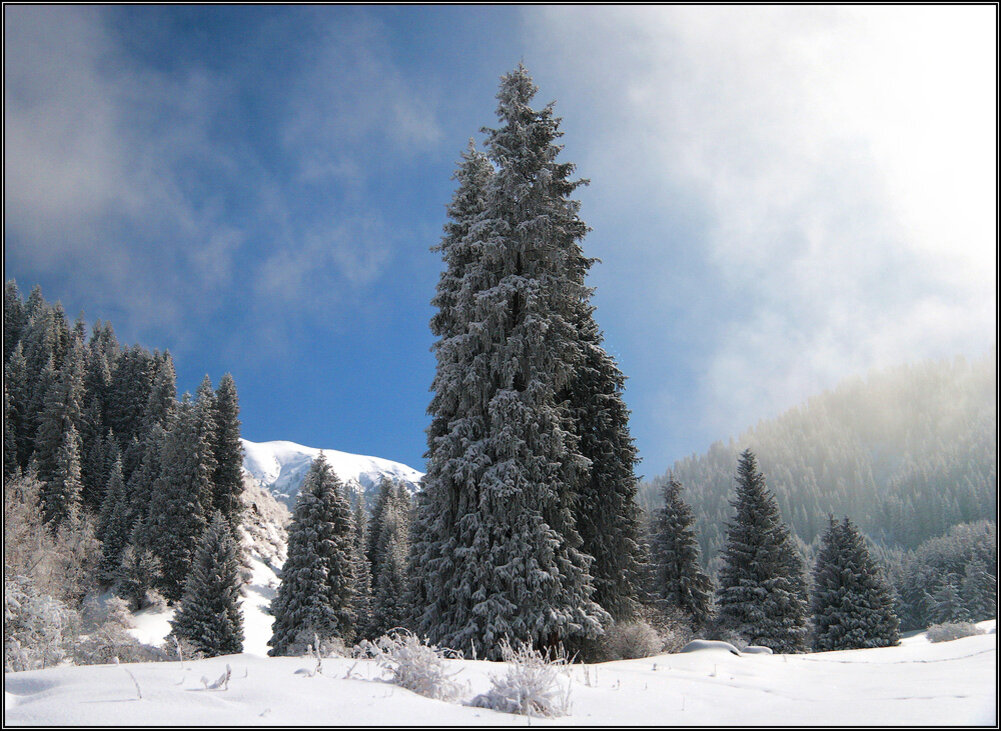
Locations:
{"points": [[843, 164], [98, 164], [352, 102], [135, 176]]}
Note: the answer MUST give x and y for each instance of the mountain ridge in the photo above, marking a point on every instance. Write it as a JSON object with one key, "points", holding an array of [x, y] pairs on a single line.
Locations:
{"points": [[280, 467]]}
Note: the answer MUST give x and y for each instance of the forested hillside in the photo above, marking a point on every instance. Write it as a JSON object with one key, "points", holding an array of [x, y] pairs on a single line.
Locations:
{"points": [[906, 453]]}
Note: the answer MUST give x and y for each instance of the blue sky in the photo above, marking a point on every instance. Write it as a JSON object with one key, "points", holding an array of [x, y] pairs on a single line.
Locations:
{"points": [[780, 198]]}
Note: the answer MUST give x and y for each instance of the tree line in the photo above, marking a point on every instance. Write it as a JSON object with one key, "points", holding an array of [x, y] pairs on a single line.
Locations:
{"points": [[98, 446], [909, 452]]}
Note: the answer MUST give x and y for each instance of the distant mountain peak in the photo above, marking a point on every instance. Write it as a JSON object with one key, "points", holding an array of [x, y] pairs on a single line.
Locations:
{"points": [[280, 467]]}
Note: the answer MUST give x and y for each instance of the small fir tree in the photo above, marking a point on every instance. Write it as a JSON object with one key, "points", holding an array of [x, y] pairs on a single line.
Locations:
{"points": [[114, 529], [61, 492], [852, 604], [761, 594], [209, 615], [678, 576], [317, 591]]}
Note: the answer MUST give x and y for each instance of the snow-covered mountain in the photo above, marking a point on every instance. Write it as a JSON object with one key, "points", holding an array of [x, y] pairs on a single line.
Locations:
{"points": [[280, 467]]}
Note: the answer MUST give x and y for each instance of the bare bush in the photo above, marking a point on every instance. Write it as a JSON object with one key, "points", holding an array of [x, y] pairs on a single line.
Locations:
{"points": [[105, 638], [948, 631], [531, 686], [38, 631], [416, 665], [630, 640]]}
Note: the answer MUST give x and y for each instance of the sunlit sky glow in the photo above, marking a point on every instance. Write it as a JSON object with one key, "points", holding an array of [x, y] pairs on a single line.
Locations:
{"points": [[780, 197]]}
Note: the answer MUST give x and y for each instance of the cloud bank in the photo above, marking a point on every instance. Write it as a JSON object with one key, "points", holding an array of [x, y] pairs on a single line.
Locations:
{"points": [[837, 168], [159, 185]]}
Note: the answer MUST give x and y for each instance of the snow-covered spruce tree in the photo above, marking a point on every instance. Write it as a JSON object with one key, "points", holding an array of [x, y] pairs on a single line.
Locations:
{"points": [[209, 615], [437, 509], [96, 387], [852, 605], [980, 591], [63, 409], [61, 491], [382, 497], [228, 478], [761, 583], [40, 340], [176, 516], [10, 466], [606, 513], [205, 420], [113, 529], [678, 576], [140, 489], [362, 568], [391, 514], [17, 381], [947, 603], [500, 550], [391, 583], [317, 592], [131, 383], [14, 318]]}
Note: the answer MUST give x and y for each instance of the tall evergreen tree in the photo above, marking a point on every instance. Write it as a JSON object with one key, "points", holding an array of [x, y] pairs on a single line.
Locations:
{"points": [[390, 584], [17, 381], [499, 542], [317, 591], [97, 384], [14, 318], [131, 383], [228, 478], [61, 491], [10, 466], [383, 495], [63, 409], [980, 591], [113, 529], [678, 576], [143, 480], [852, 604], [205, 421], [606, 513], [947, 604], [176, 516], [362, 567], [761, 583], [209, 615]]}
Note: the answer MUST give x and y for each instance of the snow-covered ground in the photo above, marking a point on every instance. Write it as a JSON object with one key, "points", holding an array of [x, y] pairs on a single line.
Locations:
{"points": [[917, 683], [281, 467]]}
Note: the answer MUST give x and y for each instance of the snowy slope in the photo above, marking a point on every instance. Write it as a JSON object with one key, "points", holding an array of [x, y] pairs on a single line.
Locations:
{"points": [[280, 467], [918, 683]]}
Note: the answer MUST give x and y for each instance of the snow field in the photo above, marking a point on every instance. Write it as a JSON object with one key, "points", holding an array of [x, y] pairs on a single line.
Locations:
{"points": [[916, 683]]}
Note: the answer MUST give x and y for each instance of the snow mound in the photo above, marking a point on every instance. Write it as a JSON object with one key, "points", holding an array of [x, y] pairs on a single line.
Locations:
{"points": [[701, 645], [280, 467]]}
